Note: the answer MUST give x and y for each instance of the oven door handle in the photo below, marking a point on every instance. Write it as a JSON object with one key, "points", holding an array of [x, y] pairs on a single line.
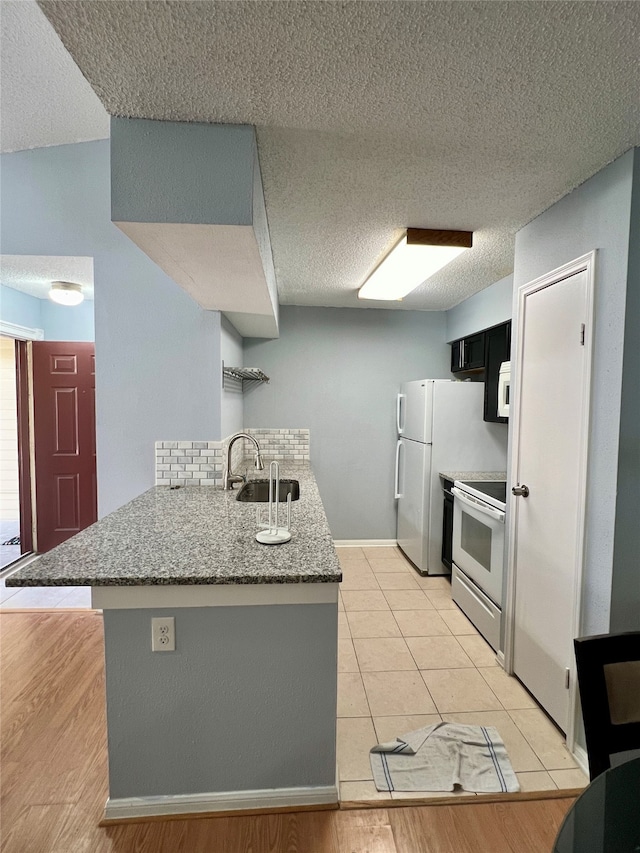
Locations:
{"points": [[477, 505]]}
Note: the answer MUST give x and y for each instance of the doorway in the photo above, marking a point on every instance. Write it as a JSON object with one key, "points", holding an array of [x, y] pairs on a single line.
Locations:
{"points": [[47, 425], [551, 406], [11, 542]]}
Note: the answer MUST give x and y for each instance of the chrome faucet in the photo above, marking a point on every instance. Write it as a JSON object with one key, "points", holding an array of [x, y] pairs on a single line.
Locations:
{"points": [[228, 477]]}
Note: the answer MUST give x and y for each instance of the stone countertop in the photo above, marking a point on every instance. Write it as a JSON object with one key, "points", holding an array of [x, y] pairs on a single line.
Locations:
{"points": [[473, 475], [193, 535]]}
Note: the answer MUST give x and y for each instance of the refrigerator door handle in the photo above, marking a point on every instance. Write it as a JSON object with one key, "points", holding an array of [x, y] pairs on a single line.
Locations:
{"points": [[397, 490], [399, 412]]}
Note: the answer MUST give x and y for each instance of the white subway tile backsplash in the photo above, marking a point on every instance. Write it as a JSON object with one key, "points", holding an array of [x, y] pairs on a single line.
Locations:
{"points": [[196, 463]]}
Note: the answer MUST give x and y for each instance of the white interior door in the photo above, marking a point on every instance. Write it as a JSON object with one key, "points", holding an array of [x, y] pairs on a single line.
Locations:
{"points": [[552, 404]]}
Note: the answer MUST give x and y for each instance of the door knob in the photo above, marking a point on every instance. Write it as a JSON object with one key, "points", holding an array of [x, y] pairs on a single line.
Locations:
{"points": [[520, 491]]}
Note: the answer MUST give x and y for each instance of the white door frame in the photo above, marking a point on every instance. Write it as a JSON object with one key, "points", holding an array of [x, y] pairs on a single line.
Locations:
{"points": [[585, 263], [23, 333]]}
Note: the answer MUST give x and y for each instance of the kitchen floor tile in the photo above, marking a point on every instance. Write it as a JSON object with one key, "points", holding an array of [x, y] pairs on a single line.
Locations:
{"points": [[355, 566], [78, 596], [360, 792], [396, 580], [407, 599], [355, 737], [353, 563], [383, 655], [459, 690], [537, 780], [522, 757], [391, 552], [396, 566], [36, 597], [478, 650], [343, 627], [397, 693], [440, 599], [365, 624], [390, 728], [544, 738], [438, 653], [366, 599], [433, 583], [457, 622], [347, 660], [360, 578], [421, 623], [352, 700], [508, 689], [7, 591], [392, 620], [350, 554], [573, 778]]}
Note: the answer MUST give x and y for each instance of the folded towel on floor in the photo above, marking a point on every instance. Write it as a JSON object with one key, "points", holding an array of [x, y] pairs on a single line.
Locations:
{"points": [[439, 757]]}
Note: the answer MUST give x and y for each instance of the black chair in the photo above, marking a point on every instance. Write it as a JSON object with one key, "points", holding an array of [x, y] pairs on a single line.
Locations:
{"points": [[608, 668]]}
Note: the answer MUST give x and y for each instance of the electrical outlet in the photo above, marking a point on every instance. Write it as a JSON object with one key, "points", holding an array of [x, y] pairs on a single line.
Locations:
{"points": [[163, 634]]}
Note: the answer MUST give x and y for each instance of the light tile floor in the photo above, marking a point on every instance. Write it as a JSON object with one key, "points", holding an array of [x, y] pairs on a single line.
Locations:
{"points": [[28, 597], [407, 658]]}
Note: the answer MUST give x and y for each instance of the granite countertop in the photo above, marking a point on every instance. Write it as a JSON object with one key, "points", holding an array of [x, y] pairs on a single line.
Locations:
{"points": [[193, 535], [473, 475]]}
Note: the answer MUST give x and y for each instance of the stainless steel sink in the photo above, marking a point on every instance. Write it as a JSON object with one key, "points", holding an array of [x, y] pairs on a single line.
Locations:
{"points": [[258, 491]]}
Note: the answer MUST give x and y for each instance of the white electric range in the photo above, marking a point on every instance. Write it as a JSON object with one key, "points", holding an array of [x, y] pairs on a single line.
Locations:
{"points": [[478, 553]]}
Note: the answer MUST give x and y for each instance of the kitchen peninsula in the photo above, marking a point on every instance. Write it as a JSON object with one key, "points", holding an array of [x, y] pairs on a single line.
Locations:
{"points": [[243, 713]]}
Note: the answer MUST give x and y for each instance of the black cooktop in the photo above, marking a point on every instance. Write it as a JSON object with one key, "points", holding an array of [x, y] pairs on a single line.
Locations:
{"points": [[494, 488]]}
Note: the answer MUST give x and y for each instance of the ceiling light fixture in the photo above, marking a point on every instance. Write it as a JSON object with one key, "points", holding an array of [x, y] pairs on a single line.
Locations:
{"points": [[420, 254], [66, 293]]}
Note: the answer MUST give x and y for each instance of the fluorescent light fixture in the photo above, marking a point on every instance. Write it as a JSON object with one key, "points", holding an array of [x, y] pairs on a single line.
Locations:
{"points": [[66, 293], [420, 254]]}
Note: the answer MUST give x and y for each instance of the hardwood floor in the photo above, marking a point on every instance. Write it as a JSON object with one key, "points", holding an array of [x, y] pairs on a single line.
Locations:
{"points": [[54, 775]]}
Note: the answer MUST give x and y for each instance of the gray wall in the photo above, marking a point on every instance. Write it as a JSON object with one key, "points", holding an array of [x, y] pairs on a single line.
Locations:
{"points": [[482, 310], [337, 371], [625, 593], [594, 216], [247, 700], [231, 352], [157, 352], [153, 180]]}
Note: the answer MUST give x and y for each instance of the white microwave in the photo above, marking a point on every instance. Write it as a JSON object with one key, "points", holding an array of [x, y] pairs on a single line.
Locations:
{"points": [[504, 389]]}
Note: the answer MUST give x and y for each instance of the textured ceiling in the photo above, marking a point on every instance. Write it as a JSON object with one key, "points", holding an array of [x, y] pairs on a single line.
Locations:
{"points": [[45, 98], [374, 116], [33, 274]]}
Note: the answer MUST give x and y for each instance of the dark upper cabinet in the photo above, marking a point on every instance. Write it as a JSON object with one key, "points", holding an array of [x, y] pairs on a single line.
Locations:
{"points": [[497, 350], [468, 353], [482, 354]]}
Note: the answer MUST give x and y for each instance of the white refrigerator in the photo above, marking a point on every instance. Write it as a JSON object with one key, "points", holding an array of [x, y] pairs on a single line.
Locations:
{"points": [[440, 429]]}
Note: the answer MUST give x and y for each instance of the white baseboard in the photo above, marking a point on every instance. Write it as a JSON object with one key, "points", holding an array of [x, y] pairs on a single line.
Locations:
{"points": [[582, 758], [365, 543], [177, 804]]}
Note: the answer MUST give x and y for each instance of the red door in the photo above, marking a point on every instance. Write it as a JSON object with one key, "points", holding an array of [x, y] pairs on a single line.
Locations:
{"points": [[64, 438]]}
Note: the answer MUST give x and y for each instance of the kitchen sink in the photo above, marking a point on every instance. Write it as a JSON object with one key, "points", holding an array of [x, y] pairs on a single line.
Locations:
{"points": [[258, 491]]}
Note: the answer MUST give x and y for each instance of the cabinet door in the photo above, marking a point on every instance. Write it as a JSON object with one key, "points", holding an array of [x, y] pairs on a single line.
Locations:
{"points": [[468, 354], [497, 346], [473, 352], [456, 361]]}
